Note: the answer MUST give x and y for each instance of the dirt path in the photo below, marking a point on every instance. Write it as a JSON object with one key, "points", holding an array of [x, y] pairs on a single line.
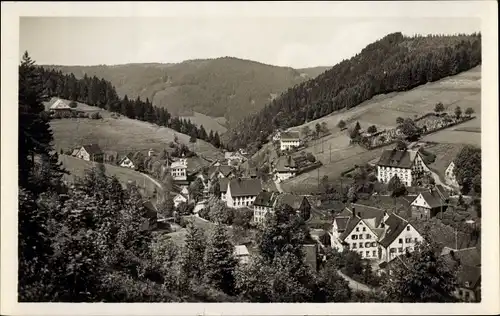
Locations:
{"points": [[355, 285]]}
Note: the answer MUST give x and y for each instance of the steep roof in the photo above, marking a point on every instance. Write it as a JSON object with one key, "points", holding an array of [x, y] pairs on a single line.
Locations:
{"points": [[367, 212], [351, 223], [92, 149], [223, 184], [395, 225], [285, 163], [290, 136], [341, 222], [432, 198], [468, 256], [397, 158], [60, 104], [241, 250], [292, 200], [469, 277], [245, 187], [266, 199]]}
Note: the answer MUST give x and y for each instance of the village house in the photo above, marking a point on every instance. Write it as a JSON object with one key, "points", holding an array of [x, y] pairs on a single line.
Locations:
{"points": [[407, 165], [241, 253], [430, 202], [234, 158], [60, 106], [221, 171], [223, 184], [277, 136], [90, 152], [467, 263], [399, 238], [373, 233], [450, 174], [180, 198], [285, 168], [131, 160], [289, 140], [263, 204], [178, 169], [299, 203], [242, 192]]}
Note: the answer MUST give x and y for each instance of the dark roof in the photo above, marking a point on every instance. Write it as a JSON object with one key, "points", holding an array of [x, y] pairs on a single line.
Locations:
{"points": [[245, 187], [396, 158], [294, 201], [285, 163], [341, 222], [433, 198], [469, 274], [331, 206], [468, 256], [395, 225], [93, 149], [351, 223], [367, 212], [223, 184], [290, 135], [151, 211], [265, 199]]}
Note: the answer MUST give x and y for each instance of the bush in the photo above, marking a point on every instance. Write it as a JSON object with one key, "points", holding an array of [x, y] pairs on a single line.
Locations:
{"points": [[82, 115], [73, 104], [96, 116]]}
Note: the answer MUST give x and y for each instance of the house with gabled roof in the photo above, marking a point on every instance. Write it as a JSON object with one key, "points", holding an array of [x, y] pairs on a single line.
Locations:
{"points": [[298, 203], [405, 164], [131, 160], [91, 152], [398, 238], [223, 184], [289, 140], [429, 202], [242, 192], [285, 168], [60, 106], [220, 171], [467, 263], [358, 228], [263, 205]]}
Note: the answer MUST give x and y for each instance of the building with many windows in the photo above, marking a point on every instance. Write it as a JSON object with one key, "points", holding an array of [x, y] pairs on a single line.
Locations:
{"points": [[407, 165], [178, 169], [242, 192], [289, 140]]}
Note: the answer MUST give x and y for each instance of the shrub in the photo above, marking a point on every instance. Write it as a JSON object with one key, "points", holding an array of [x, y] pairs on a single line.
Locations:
{"points": [[96, 116], [73, 104]]}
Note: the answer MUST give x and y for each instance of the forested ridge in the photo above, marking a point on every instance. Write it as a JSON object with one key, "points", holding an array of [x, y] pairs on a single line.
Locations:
{"points": [[101, 93], [393, 63]]}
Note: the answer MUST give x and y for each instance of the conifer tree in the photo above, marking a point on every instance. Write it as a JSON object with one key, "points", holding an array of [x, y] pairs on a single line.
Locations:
{"points": [[194, 252], [219, 260]]}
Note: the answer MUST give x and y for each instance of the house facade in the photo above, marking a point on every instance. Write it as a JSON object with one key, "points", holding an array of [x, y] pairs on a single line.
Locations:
{"points": [[399, 237], [90, 152], [428, 203], [286, 168], [467, 263], [60, 106], [289, 140], [180, 198], [263, 204], [178, 169], [242, 192], [241, 253], [405, 164]]}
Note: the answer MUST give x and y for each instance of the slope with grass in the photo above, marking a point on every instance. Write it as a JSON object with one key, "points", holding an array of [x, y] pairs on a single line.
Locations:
{"points": [[227, 86], [121, 134], [215, 124]]}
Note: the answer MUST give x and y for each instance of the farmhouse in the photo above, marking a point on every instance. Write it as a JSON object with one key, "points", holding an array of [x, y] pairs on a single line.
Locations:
{"points": [[263, 204], [298, 203], [289, 140], [178, 169], [242, 192], [405, 164], [399, 237], [358, 228], [90, 152], [180, 198], [285, 168], [467, 262], [430, 202], [233, 158], [60, 106], [131, 160], [450, 174]]}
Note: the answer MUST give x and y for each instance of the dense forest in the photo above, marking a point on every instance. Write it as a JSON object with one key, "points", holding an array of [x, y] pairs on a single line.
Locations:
{"points": [[393, 63], [226, 86], [101, 93]]}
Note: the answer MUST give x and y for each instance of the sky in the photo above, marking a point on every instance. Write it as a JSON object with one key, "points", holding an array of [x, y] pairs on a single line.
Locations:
{"points": [[297, 42]]}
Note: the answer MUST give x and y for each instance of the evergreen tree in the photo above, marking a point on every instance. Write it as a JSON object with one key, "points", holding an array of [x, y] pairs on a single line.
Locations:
{"points": [[194, 252], [219, 261]]}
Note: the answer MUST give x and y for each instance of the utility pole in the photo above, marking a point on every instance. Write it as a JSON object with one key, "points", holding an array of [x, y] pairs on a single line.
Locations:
{"points": [[330, 153]]}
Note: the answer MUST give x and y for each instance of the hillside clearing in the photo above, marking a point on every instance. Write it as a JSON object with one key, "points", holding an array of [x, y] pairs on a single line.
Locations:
{"points": [[209, 123], [77, 167], [121, 134]]}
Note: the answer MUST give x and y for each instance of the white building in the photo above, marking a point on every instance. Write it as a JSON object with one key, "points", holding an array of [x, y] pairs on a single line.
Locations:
{"points": [[450, 174], [373, 233], [405, 164], [289, 140], [241, 253], [178, 169], [428, 203], [285, 168], [180, 198], [130, 160], [90, 152], [234, 158], [242, 192], [263, 204]]}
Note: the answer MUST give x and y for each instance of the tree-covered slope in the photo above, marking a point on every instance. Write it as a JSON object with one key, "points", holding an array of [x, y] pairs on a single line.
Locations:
{"points": [[227, 86], [393, 63]]}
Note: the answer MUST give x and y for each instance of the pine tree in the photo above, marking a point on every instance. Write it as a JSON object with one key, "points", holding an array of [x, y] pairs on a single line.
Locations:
{"points": [[194, 252], [219, 260]]}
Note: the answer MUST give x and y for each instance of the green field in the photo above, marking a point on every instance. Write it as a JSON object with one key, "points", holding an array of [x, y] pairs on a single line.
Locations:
{"points": [[120, 134], [209, 123], [77, 167]]}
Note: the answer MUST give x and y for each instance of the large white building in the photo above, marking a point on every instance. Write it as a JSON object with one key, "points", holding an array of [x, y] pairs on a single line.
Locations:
{"points": [[178, 169], [405, 164], [289, 140], [373, 233], [242, 192]]}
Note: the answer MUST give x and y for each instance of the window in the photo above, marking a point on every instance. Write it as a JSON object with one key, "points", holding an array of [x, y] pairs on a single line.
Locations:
{"points": [[360, 245], [467, 284], [357, 229], [400, 249], [367, 245], [364, 229], [467, 294], [368, 236], [374, 253], [367, 254], [360, 236], [408, 228], [400, 240], [416, 239], [374, 244], [354, 237], [353, 246], [408, 239]]}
